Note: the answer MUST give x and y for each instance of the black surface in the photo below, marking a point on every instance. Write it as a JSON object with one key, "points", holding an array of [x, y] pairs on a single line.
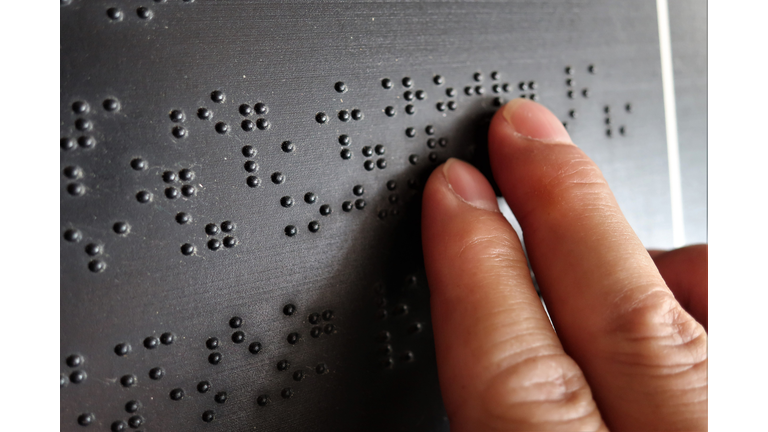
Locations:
{"points": [[165, 148]]}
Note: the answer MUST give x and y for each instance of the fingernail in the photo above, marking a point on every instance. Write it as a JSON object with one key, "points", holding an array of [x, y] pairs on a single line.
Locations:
{"points": [[470, 185], [534, 121]]}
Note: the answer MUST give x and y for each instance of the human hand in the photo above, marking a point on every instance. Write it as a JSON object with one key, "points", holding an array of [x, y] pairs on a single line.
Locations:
{"points": [[626, 355]]}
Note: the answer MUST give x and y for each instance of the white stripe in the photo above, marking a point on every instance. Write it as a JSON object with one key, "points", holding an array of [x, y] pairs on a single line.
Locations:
{"points": [[670, 115]]}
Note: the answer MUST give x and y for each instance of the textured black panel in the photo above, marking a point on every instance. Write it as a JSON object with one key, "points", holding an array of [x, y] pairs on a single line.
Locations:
{"points": [[177, 200]]}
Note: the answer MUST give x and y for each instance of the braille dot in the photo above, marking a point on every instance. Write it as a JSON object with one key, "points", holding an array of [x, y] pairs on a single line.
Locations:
{"points": [[321, 369], [251, 166], [144, 13], [246, 124], [570, 94], [572, 114], [415, 328], [221, 127], [608, 132], [408, 95], [532, 85], [67, 143], [290, 231], [386, 349], [74, 360], [262, 400], [314, 318], [327, 315], [263, 124], [506, 87], [111, 105], [96, 266], [565, 125], [118, 426], [214, 358], [208, 416], [220, 397], [254, 347], [585, 93], [128, 380], [238, 337], [75, 189], [622, 130], [360, 203], [438, 80], [86, 142], [386, 83], [410, 109], [367, 151], [212, 343], [218, 96], [286, 393], [393, 198], [77, 377], [261, 108], [245, 110], [533, 97], [166, 338], [344, 115], [151, 342], [413, 159], [358, 190], [121, 228], [283, 365], [431, 143], [203, 386], [347, 206], [369, 165], [115, 14], [204, 113], [340, 87], [440, 106], [407, 82], [496, 88], [316, 332], [357, 114], [132, 406], [287, 146], [321, 117], [383, 336], [325, 209], [176, 116], [469, 91], [479, 90], [143, 197], [592, 69], [391, 185], [252, 181], [421, 94], [156, 373], [298, 375], [171, 193], [83, 124], [293, 338], [450, 92], [214, 244], [179, 132], [286, 201], [433, 157], [522, 86], [314, 226], [72, 235], [187, 249], [176, 394], [568, 70], [80, 107], [135, 421], [310, 198], [410, 132], [498, 101], [607, 120], [407, 357], [278, 178], [628, 107], [452, 105], [93, 249]]}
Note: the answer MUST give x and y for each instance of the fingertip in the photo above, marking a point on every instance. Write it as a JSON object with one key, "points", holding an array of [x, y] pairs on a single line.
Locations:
{"points": [[532, 120]]}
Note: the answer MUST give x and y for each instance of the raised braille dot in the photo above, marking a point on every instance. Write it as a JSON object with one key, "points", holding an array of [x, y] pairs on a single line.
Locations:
{"points": [[569, 94], [166, 338], [74, 360], [321, 117], [252, 181], [325, 209], [328, 328], [622, 130], [310, 198], [218, 96], [410, 132], [408, 95], [214, 358], [533, 97], [283, 365], [314, 226], [585, 93], [431, 143], [229, 242], [316, 332], [391, 185], [298, 375], [80, 107], [260, 108], [67, 143], [433, 157], [132, 406], [293, 338], [221, 127], [479, 90], [171, 193], [277, 178], [121, 228], [86, 142], [400, 309], [247, 125], [367, 151], [176, 116], [314, 318], [522, 86], [287, 146], [118, 426], [407, 357], [358, 190], [369, 165], [407, 82], [568, 70], [183, 218], [188, 190], [452, 105], [357, 114], [111, 105], [204, 113], [286, 201], [469, 91], [415, 328], [179, 131], [262, 400], [212, 343], [75, 189], [289, 309], [96, 266], [135, 422], [498, 101], [592, 69], [430, 130], [347, 206], [608, 132], [254, 347], [251, 166], [93, 249], [344, 140], [344, 115], [450, 92], [72, 235], [607, 120], [151, 342], [235, 322], [385, 349], [208, 416], [187, 249], [413, 159], [573, 114], [144, 13], [77, 377], [327, 315], [128, 380], [83, 124], [115, 14], [386, 83], [228, 226], [393, 198], [410, 109], [176, 394], [438, 80], [506, 87], [156, 373], [263, 124], [286, 393], [496, 88], [359, 203], [440, 106], [203, 386], [220, 397], [238, 337], [340, 87], [628, 107], [290, 231], [320, 369], [214, 244]]}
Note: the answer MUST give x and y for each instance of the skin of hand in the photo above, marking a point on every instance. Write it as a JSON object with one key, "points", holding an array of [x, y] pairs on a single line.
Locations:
{"points": [[630, 351]]}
